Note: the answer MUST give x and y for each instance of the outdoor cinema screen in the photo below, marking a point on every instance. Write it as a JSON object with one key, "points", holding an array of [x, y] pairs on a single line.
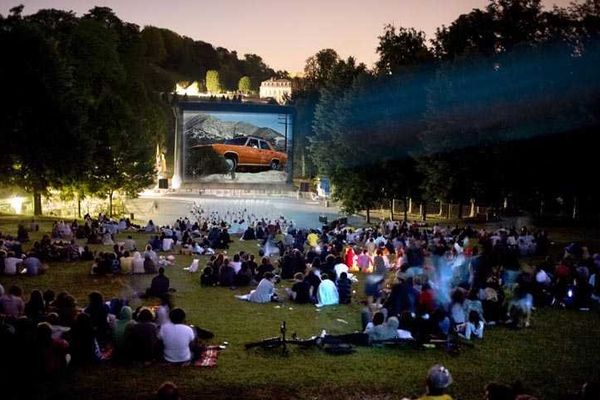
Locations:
{"points": [[237, 143]]}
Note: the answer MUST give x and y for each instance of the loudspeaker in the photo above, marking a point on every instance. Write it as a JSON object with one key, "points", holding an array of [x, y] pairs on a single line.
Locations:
{"points": [[163, 183]]}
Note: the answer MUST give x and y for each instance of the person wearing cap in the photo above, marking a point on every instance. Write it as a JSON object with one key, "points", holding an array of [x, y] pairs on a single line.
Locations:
{"points": [[438, 380]]}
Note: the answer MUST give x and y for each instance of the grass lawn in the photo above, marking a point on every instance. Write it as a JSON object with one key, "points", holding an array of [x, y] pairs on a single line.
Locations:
{"points": [[556, 355]]}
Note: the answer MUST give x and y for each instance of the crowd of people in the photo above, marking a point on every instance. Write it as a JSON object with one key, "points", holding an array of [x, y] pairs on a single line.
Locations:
{"points": [[420, 282]]}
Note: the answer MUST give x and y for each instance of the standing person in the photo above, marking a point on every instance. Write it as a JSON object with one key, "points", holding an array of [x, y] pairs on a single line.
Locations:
{"points": [[177, 338]]}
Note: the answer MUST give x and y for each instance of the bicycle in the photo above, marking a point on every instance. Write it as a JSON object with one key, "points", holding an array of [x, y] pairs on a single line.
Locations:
{"points": [[329, 344], [282, 342]]}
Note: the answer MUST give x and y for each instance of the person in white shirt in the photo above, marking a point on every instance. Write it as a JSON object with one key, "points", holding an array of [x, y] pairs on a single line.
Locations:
{"points": [[11, 264], [177, 337], [137, 264], [327, 293]]}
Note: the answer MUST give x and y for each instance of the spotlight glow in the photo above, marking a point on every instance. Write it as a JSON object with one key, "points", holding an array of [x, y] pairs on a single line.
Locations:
{"points": [[16, 203]]}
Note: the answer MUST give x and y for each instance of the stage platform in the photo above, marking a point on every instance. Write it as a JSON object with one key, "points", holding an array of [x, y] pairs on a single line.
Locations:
{"points": [[241, 190]]}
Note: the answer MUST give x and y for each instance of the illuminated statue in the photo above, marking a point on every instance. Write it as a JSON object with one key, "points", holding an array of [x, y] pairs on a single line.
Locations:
{"points": [[160, 164]]}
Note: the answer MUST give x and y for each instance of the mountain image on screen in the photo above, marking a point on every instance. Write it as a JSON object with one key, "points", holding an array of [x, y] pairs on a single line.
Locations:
{"points": [[202, 129]]}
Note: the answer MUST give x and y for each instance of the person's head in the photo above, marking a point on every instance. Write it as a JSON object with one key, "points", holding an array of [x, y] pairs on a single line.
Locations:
{"points": [[15, 290], [236, 258], [52, 318], [126, 313], [343, 275], [167, 391], [378, 318], [474, 317], [44, 333], [177, 316], [161, 271], [145, 315], [269, 275], [299, 276], [96, 299], [438, 379], [36, 298]]}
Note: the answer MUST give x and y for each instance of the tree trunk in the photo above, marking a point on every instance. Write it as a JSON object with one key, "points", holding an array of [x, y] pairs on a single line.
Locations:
{"points": [[391, 209], [410, 206], [460, 210], [368, 216], [441, 211], [505, 204], [575, 211], [541, 207], [405, 209], [110, 204], [78, 206], [37, 202], [423, 209]]}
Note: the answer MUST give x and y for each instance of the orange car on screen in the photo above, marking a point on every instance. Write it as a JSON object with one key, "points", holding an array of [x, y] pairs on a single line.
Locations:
{"points": [[249, 152]]}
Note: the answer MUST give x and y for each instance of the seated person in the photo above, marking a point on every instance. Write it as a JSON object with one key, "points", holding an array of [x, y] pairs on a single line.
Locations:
{"points": [[226, 274], [385, 331], [159, 286], [438, 380], [53, 352], [87, 254], [344, 286], [244, 276], [12, 264], [122, 325], [474, 326], [150, 227], [300, 291], [141, 338], [327, 294], [137, 264], [33, 266], [177, 337], [208, 278], [264, 292], [249, 234], [149, 264], [126, 262]]}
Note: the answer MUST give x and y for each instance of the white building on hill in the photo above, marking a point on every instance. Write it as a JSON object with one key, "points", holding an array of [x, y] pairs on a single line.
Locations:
{"points": [[278, 89]]}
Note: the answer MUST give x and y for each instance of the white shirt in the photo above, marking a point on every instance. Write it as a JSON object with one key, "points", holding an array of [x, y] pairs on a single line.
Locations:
{"points": [[10, 265], [328, 293], [236, 265], [167, 243], [137, 265], [176, 340]]}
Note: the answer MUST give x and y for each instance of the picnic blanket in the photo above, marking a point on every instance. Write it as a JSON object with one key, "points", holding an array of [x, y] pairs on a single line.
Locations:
{"points": [[208, 357]]}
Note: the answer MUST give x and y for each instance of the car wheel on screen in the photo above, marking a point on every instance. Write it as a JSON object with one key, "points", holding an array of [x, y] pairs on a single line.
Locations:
{"points": [[274, 165], [231, 163]]}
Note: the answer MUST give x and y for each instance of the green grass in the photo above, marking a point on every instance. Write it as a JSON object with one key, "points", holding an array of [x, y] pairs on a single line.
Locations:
{"points": [[556, 355]]}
